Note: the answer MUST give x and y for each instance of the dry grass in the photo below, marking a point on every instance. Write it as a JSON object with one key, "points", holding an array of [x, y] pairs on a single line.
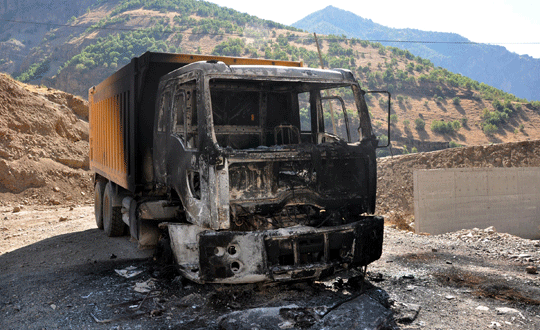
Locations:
{"points": [[485, 286]]}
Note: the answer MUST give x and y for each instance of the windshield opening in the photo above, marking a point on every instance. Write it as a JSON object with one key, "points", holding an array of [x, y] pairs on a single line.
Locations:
{"points": [[260, 114]]}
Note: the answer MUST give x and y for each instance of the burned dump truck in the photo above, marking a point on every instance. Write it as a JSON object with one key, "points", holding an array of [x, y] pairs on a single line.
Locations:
{"points": [[248, 169]]}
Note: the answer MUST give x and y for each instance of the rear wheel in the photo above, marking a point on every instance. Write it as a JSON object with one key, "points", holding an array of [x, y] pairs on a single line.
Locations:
{"points": [[99, 188], [112, 215]]}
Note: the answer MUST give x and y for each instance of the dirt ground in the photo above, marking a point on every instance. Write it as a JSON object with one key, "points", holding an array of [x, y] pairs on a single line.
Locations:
{"points": [[58, 271]]}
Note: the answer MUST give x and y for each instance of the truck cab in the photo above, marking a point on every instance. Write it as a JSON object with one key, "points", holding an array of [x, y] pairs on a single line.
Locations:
{"points": [[273, 170]]}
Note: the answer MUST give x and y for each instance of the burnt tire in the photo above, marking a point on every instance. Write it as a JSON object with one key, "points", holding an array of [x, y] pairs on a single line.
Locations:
{"points": [[112, 215], [99, 189]]}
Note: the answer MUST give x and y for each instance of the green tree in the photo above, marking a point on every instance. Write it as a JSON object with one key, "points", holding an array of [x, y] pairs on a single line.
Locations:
{"points": [[419, 124]]}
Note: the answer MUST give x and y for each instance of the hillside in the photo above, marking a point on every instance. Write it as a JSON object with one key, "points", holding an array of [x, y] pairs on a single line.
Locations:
{"points": [[492, 65], [43, 145], [432, 107]]}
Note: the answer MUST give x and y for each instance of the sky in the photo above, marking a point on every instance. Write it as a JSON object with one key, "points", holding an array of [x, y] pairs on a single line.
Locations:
{"points": [[513, 24]]}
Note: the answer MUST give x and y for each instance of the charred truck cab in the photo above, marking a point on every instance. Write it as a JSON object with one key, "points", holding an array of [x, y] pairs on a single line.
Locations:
{"points": [[255, 172]]}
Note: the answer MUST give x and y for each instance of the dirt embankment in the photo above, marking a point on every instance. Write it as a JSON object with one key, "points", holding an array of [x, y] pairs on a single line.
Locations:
{"points": [[43, 145], [395, 175]]}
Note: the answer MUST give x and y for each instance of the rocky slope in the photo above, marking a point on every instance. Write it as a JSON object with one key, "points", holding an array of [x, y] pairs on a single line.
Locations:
{"points": [[43, 144]]}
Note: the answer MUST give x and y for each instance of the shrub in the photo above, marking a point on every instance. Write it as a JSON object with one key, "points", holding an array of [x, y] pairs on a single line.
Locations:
{"points": [[414, 150], [406, 123], [393, 119], [497, 105], [489, 129], [494, 117], [456, 100], [464, 121], [419, 124], [405, 150], [442, 127], [383, 140], [454, 144]]}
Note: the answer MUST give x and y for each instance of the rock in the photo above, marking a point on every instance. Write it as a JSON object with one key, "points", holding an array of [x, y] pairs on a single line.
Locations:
{"points": [[482, 308], [56, 189], [54, 202], [360, 313], [16, 209], [83, 193], [256, 318], [490, 230], [531, 270], [406, 313], [192, 300], [449, 297], [524, 255], [53, 306], [506, 310], [62, 219]]}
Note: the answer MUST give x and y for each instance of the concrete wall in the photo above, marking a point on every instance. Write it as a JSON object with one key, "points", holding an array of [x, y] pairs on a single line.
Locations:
{"points": [[452, 199]]}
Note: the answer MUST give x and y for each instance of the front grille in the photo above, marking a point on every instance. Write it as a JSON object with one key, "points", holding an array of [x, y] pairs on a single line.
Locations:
{"points": [[310, 248]]}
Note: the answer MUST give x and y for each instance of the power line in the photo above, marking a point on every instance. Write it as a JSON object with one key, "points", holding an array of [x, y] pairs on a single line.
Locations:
{"points": [[288, 37]]}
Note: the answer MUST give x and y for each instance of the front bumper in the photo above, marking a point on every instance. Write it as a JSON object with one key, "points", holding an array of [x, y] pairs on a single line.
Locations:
{"points": [[291, 253]]}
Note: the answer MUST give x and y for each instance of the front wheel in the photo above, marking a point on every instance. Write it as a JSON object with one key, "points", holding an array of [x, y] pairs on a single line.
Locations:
{"points": [[112, 215]]}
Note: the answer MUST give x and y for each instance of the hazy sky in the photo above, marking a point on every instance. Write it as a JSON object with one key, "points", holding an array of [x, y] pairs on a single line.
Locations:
{"points": [[493, 21]]}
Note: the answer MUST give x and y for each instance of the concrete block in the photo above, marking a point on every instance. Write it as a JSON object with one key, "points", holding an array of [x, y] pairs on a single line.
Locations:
{"points": [[464, 198]]}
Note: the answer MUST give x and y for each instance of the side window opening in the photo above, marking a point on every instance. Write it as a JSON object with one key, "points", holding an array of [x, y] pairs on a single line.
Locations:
{"points": [[163, 110], [305, 117], [179, 112], [340, 115], [191, 118]]}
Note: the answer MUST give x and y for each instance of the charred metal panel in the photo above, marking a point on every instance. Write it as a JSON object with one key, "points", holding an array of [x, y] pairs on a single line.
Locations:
{"points": [[299, 252], [328, 176], [232, 257]]}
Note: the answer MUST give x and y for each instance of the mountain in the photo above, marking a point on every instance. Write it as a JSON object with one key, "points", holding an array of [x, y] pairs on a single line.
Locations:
{"points": [[72, 46], [492, 65]]}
